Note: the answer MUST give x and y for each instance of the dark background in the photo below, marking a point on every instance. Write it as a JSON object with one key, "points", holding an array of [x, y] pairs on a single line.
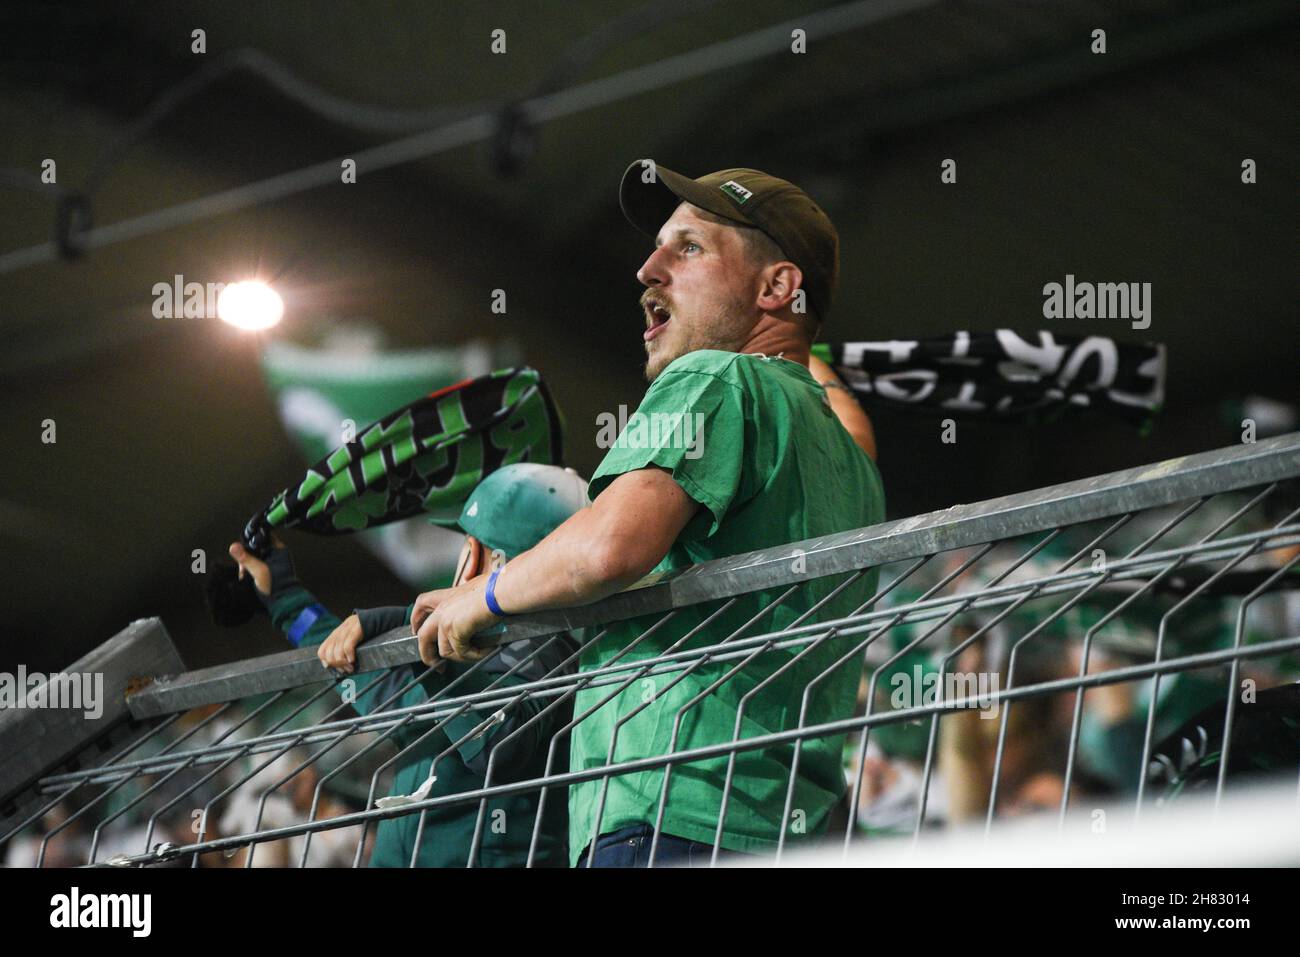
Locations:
{"points": [[1117, 167]]}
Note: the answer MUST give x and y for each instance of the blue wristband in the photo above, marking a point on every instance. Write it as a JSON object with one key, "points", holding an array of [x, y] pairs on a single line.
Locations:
{"points": [[306, 618], [491, 595]]}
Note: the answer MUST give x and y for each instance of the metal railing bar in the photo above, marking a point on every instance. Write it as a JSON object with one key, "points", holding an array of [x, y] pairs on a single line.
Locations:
{"points": [[477, 840], [74, 816], [1077, 718], [1160, 640], [573, 723], [480, 728], [961, 569], [1105, 576], [744, 704], [344, 734], [158, 726], [748, 696], [1120, 570], [708, 752], [1041, 510], [1240, 556], [283, 749], [99, 828], [677, 679], [933, 734], [203, 817], [1234, 673], [609, 759]]}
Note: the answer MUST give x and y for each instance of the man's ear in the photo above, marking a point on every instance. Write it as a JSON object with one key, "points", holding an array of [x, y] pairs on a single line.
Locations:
{"points": [[473, 560], [781, 281]]}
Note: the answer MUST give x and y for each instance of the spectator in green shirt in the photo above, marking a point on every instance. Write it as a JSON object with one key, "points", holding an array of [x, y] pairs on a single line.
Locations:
{"points": [[742, 274]]}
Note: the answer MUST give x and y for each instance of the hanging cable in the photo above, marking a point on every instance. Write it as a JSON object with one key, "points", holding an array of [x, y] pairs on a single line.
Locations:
{"points": [[477, 127]]}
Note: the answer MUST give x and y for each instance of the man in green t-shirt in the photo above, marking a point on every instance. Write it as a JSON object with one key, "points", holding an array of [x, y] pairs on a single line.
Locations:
{"points": [[734, 447]]}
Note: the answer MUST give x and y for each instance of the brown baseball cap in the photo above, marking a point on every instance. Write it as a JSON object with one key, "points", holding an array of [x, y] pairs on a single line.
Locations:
{"points": [[649, 193]]}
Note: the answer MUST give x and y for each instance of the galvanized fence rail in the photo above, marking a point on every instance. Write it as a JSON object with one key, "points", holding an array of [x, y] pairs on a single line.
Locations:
{"points": [[1091, 605]]}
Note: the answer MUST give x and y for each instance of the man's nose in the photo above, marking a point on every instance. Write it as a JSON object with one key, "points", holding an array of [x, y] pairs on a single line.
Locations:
{"points": [[653, 271]]}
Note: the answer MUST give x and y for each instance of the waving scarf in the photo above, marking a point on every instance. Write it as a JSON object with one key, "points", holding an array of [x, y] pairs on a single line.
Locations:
{"points": [[424, 457]]}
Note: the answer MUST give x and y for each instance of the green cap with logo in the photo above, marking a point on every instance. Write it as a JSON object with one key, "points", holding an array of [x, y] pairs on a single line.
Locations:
{"points": [[649, 193], [518, 505]]}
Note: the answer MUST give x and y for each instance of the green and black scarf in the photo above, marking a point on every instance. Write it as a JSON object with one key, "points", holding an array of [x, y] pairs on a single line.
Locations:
{"points": [[425, 457]]}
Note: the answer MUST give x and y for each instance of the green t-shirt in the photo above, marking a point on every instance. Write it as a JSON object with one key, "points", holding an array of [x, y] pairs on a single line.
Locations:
{"points": [[770, 464]]}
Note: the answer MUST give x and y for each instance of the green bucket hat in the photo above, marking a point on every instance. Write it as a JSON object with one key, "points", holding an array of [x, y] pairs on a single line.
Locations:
{"points": [[518, 505]]}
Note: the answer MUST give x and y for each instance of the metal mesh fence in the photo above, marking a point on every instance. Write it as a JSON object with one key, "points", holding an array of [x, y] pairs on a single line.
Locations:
{"points": [[1133, 637]]}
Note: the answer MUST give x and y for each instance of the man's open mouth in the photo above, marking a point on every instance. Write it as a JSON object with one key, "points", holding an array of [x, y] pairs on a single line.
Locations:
{"points": [[657, 317]]}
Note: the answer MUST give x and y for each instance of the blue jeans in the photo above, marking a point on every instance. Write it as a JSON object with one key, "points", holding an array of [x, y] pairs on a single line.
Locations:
{"points": [[630, 847]]}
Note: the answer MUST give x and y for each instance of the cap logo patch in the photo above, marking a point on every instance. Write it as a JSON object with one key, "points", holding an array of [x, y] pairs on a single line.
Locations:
{"points": [[736, 191], [473, 510]]}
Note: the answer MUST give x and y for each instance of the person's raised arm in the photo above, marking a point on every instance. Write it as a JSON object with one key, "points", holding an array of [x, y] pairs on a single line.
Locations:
{"points": [[602, 549], [597, 552]]}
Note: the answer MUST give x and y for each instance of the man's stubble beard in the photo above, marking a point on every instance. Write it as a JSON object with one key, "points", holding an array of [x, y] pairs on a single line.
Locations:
{"points": [[727, 335]]}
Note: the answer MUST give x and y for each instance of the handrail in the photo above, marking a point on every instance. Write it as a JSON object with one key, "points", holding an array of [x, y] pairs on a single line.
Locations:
{"points": [[1128, 490]]}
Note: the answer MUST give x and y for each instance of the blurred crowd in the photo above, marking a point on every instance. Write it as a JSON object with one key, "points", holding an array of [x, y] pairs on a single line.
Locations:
{"points": [[1047, 635]]}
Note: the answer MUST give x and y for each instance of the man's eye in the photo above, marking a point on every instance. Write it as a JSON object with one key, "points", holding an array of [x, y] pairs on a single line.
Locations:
{"points": [[688, 246]]}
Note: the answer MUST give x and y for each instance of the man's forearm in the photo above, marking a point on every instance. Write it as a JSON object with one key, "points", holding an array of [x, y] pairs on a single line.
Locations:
{"points": [[600, 550], [564, 569]]}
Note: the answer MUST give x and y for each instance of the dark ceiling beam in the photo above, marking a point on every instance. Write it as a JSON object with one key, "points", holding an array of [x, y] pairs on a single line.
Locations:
{"points": [[536, 109]]}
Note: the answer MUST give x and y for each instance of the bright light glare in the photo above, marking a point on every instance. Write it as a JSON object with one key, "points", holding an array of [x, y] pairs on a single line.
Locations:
{"points": [[250, 305]]}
